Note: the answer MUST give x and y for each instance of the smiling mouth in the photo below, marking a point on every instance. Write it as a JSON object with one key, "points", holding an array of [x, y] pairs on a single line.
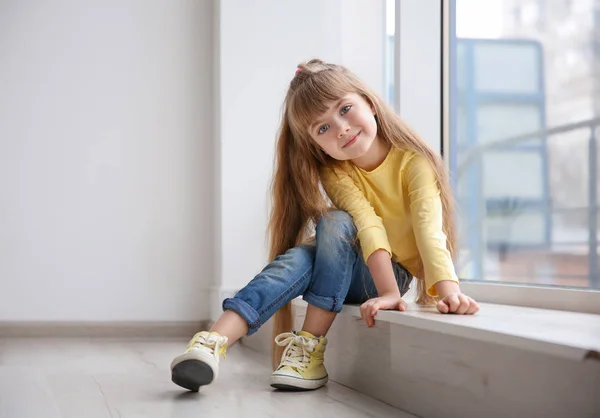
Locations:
{"points": [[351, 140]]}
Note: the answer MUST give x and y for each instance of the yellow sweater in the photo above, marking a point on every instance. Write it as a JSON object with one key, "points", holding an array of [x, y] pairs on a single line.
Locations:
{"points": [[396, 207]]}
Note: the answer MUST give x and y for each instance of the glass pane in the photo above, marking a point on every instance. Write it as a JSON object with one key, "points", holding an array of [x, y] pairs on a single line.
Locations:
{"points": [[523, 78], [526, 179], [492, 118]]}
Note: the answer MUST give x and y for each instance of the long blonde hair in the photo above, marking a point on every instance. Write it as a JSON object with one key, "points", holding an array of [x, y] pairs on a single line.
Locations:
{"points": [[297, 199]]}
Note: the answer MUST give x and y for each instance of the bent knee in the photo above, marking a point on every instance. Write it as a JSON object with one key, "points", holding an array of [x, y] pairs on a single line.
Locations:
{"points": [[301, 254]]}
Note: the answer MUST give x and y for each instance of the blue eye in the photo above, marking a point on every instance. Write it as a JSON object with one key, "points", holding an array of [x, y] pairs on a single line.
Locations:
{"points": [[345, 109], [323, 129]]}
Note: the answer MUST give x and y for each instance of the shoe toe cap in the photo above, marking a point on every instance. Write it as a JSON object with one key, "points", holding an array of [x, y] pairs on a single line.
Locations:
{"points": [[287, 371]]}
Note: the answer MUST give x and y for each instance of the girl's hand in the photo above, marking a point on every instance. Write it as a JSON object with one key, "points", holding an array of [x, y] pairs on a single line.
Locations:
{"points": [[452, 300], [369, 309], [457, 303]]}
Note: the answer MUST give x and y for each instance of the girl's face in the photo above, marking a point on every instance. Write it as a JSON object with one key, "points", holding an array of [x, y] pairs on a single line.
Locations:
{"points": [[347, 129]]}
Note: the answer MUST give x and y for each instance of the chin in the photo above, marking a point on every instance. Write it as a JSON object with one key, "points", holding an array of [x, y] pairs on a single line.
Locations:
{"points": [[360, 149]]}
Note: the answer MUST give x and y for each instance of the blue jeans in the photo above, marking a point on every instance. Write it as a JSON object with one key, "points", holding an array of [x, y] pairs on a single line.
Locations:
{"points": [[327, 274]]}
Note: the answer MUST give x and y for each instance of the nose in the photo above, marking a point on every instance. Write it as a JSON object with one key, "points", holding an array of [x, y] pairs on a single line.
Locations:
{"points": [[344, 129]]}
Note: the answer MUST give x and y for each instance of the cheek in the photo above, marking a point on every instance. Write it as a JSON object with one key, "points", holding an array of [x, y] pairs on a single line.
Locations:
{"points": [[330, 148], [317, 140], [370, 124], [323, 144]]}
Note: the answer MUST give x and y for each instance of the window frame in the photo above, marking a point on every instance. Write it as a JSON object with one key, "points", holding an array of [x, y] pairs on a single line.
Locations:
{"points": [[422, 96]]}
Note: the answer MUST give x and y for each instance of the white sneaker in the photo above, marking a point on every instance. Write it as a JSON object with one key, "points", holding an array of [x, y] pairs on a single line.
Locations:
{"points": [[199, 364]]}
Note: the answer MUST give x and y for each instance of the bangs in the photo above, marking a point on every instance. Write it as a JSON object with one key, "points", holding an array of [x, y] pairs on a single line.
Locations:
{"points": [[314, 97]]}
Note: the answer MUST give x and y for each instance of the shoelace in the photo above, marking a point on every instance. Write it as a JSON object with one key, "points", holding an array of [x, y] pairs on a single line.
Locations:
{"points": [[216, 345], [298, 350]]}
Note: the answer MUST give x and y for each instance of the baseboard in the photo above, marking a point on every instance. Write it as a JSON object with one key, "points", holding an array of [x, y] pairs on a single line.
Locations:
{"points": [[117, 329], [130, 329]]}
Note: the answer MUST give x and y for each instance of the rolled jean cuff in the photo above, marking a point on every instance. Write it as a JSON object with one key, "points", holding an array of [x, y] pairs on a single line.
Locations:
{"points": [[247, 312], [331, 304]]}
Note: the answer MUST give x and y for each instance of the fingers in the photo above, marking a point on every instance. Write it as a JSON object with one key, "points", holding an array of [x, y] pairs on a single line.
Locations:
{"points": [[463, 304], [442, 307], [374, 308], [366, 312], [458, 304], [453, 303], [402, 306], [473, 307]]}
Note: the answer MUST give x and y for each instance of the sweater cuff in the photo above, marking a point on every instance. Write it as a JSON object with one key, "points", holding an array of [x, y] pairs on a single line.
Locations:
{"points": [[431, 290]]}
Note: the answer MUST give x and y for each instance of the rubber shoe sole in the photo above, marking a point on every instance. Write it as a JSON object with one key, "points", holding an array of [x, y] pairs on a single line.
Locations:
{"points": [[289, 383], [192, 374]]}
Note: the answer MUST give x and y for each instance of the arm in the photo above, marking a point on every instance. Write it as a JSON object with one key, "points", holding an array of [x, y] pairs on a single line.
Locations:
{"points": [[447, 287], [380, 266], [374, 243], [427, 218], [375, 246], [346, 196], [389, 297]]}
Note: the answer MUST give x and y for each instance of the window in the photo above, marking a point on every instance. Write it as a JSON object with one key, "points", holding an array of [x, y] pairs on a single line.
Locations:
{"points": [[514, 109], [523, 141]]}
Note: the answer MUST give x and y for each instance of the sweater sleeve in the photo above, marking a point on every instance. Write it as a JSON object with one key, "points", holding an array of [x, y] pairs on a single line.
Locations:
{"points": [[427, 220], [346, 195]]}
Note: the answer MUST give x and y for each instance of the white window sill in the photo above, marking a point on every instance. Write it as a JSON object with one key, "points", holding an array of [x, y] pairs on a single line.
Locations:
{"points": [[543, 297], [571, 335]]}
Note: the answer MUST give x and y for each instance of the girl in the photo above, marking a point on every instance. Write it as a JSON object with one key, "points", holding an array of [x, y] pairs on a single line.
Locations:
{"points": [[394, 220]]}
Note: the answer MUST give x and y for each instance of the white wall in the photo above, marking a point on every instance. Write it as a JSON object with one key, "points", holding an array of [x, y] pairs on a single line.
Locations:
{"points": [[105, 160], [136, 146], [260, 44], [363, 34]]}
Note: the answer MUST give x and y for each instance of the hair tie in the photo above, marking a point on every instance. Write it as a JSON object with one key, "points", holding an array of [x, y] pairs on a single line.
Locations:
{"points": [[298, 70]]}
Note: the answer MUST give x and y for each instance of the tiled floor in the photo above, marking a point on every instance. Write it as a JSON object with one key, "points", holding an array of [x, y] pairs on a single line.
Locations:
{"points": [[100, 378]]}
